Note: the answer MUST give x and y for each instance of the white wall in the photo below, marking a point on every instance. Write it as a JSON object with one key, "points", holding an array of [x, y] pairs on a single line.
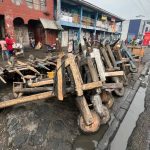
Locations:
{"points": [[125, 27]]}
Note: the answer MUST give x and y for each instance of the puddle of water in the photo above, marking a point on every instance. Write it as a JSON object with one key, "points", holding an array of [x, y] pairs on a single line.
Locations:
{"points": [[89, 142], [129, 123]]}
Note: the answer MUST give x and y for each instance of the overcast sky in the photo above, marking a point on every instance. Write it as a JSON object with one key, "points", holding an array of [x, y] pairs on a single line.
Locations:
{"points": [[127, 9]]}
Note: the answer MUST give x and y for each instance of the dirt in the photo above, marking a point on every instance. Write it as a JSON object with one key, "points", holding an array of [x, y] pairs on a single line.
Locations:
{"points": [[46, 125]]}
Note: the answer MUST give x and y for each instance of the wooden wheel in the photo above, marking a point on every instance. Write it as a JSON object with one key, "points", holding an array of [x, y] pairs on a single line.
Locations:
{"points": [[94, 127], [119, 92], [106, 115], [110, 103], [107, 99], [133, 70]]}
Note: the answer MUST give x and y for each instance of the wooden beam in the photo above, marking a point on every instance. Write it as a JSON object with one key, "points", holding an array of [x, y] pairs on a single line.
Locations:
{"points": [[112, 85], [29, 67], [36, 97], [106, 58], [93, 85], [76, 75], [84, 109], [41, 83], [32, 90], [111, 55], [2, 80], [59, 80], [114, 74]]}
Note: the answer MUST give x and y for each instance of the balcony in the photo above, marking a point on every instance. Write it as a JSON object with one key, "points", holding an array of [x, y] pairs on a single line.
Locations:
{"points": [[69, 19], [86, 21], [102, 25]]}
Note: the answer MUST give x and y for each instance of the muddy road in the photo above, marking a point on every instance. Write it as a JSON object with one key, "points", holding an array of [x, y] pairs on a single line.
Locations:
{"points": [[49, 124]]}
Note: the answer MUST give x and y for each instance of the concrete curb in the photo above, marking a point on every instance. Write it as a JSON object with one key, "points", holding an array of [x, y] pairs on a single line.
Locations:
{"points": [[112, 130]]}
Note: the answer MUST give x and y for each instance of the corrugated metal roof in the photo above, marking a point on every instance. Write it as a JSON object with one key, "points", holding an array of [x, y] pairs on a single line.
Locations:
{"points": [[50, 24]]}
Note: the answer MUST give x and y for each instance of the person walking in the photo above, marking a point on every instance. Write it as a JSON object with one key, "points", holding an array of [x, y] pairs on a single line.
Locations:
{"points": [[9, 43], [5, 52], [32, 42]]}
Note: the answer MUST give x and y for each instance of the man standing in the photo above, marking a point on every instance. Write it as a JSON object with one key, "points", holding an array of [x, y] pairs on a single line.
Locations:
{"points": [[4, 49], [32, 42], [9, 43]]}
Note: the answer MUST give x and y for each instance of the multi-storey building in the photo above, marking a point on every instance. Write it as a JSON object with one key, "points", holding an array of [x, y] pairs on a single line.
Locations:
{"points": [[28, 18], [43, 19], [80, 18]]}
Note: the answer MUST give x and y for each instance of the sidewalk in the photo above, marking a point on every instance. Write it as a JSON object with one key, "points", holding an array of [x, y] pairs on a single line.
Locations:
{"points": [[140, 138]]}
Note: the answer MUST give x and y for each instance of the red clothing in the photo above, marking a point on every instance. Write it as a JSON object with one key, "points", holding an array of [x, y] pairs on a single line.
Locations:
{"points": [[9, 43]]}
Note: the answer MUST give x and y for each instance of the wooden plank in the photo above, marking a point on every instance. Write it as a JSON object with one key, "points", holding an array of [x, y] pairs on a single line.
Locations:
{"points": [[93, 85], [29, 67], [106, 58], [127, 65], [41, 83], [99, 64], [76, 75], [111, 55], [35, 97], [2, 80], [138, 52], [59, 80], [33, 90], [112, 85], [125, 60], [93, 72], [84, 109], [114, 74]]}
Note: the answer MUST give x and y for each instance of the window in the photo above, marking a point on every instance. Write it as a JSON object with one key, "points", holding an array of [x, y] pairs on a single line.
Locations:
{"points": [[43, 4], [17, 2], [36, 4], [29, 3]]}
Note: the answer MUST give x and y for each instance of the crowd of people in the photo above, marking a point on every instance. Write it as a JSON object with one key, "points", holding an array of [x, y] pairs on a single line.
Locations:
{"points": [[6, 46]]}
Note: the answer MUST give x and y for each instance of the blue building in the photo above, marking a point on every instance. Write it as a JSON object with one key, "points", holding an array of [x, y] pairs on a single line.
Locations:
{"points": [[80, 18]]}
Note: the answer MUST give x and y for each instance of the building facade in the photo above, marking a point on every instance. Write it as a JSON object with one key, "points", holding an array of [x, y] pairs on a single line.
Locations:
{"points": [[44, 19], [24, 19], [80, 18], [134, 29]]}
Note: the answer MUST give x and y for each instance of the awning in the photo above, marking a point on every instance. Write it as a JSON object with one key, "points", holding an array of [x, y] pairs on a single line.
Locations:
{"points": [[51, 24]]}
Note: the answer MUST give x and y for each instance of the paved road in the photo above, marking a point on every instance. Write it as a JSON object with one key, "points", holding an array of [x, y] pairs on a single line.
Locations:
{"points": [[140, 138], [44, 125]]}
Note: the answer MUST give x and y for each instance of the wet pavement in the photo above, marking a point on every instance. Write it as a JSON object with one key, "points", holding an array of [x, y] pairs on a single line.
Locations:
{"points": [[120, 141], [140, 137], [49, 124]]}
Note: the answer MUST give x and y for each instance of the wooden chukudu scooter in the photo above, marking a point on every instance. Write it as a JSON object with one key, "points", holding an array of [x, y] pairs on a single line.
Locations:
{"points": [[92, 70], [110, 64], [126, 54]]}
